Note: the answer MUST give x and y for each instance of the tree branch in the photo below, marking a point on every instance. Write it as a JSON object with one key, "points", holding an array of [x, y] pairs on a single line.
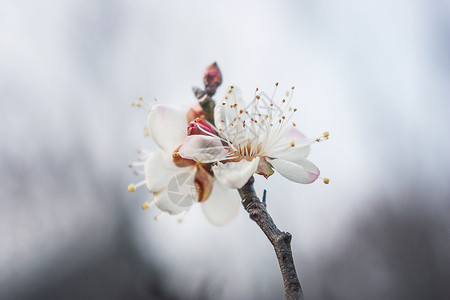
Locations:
{"points": [[280, 240]]}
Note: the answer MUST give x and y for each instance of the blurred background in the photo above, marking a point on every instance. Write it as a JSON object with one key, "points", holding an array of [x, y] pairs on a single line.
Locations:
{"points": [[376, 74]]}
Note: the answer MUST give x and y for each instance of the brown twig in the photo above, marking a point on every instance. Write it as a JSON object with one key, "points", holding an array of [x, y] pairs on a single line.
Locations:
{"points": [[280, 240]]}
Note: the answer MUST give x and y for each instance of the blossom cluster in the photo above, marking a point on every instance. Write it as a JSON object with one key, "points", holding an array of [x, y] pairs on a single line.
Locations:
{"points": [[198, 161]]}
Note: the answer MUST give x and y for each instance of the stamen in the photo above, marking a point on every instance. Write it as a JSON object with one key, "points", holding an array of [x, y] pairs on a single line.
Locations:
{"points": [[146, 205], [326, 134], [131, 188], [326, 180]]}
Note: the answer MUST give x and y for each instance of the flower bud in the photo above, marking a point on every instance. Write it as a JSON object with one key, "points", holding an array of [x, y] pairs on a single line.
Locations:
{"points": [[212, 78], [200, 127]]}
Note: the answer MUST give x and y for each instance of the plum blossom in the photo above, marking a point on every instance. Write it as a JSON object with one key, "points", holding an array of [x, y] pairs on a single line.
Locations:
{"points": [[175, 182], [258, 137]]}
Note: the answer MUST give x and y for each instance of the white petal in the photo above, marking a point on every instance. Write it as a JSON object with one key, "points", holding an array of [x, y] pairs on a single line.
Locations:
{"points": [[292, 136], [159, 169], [164, 203], [222, 205], [203, 148], [168, 126], [298, 170], [224, 112], [180, 194], [235, 174]]}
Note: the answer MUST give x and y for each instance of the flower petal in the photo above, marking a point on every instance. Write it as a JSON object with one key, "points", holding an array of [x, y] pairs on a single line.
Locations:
{"points": [[235, 174], [159, 169], [181, 193], [167, 126], [203, 183], [223, 113], [298, 170], [222, 206], [166, 204], [292, 140], [203, 148]]}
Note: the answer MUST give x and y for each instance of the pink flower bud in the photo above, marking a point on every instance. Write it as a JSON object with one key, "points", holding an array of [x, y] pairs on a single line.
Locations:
{"points": [[212, 78], [200, 127]]}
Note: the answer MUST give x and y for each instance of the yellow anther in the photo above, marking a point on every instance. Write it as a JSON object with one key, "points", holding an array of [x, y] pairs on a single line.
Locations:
{"points": [[175, 154], [140, 98], [292, 143], [293, 124], [145, 205], [326, 180], [146, 132], [138, 104], [267, 116], [198, 162], [131, 188], [326, 134]]}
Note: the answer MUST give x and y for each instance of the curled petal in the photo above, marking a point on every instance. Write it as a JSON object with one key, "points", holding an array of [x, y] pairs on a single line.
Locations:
{"points": [[159, 170], [298, 170], [222, 206], [235, 174], [167, 126], [203, 183], [264, 168], [203, 148]]}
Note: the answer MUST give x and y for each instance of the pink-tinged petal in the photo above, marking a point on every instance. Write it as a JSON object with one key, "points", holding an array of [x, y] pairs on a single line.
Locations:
{"points": [[203, 148], [299, 170], [166, 204], [159, 169], [291, 139], [222, 205], [235, 174], [167, 126]]}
